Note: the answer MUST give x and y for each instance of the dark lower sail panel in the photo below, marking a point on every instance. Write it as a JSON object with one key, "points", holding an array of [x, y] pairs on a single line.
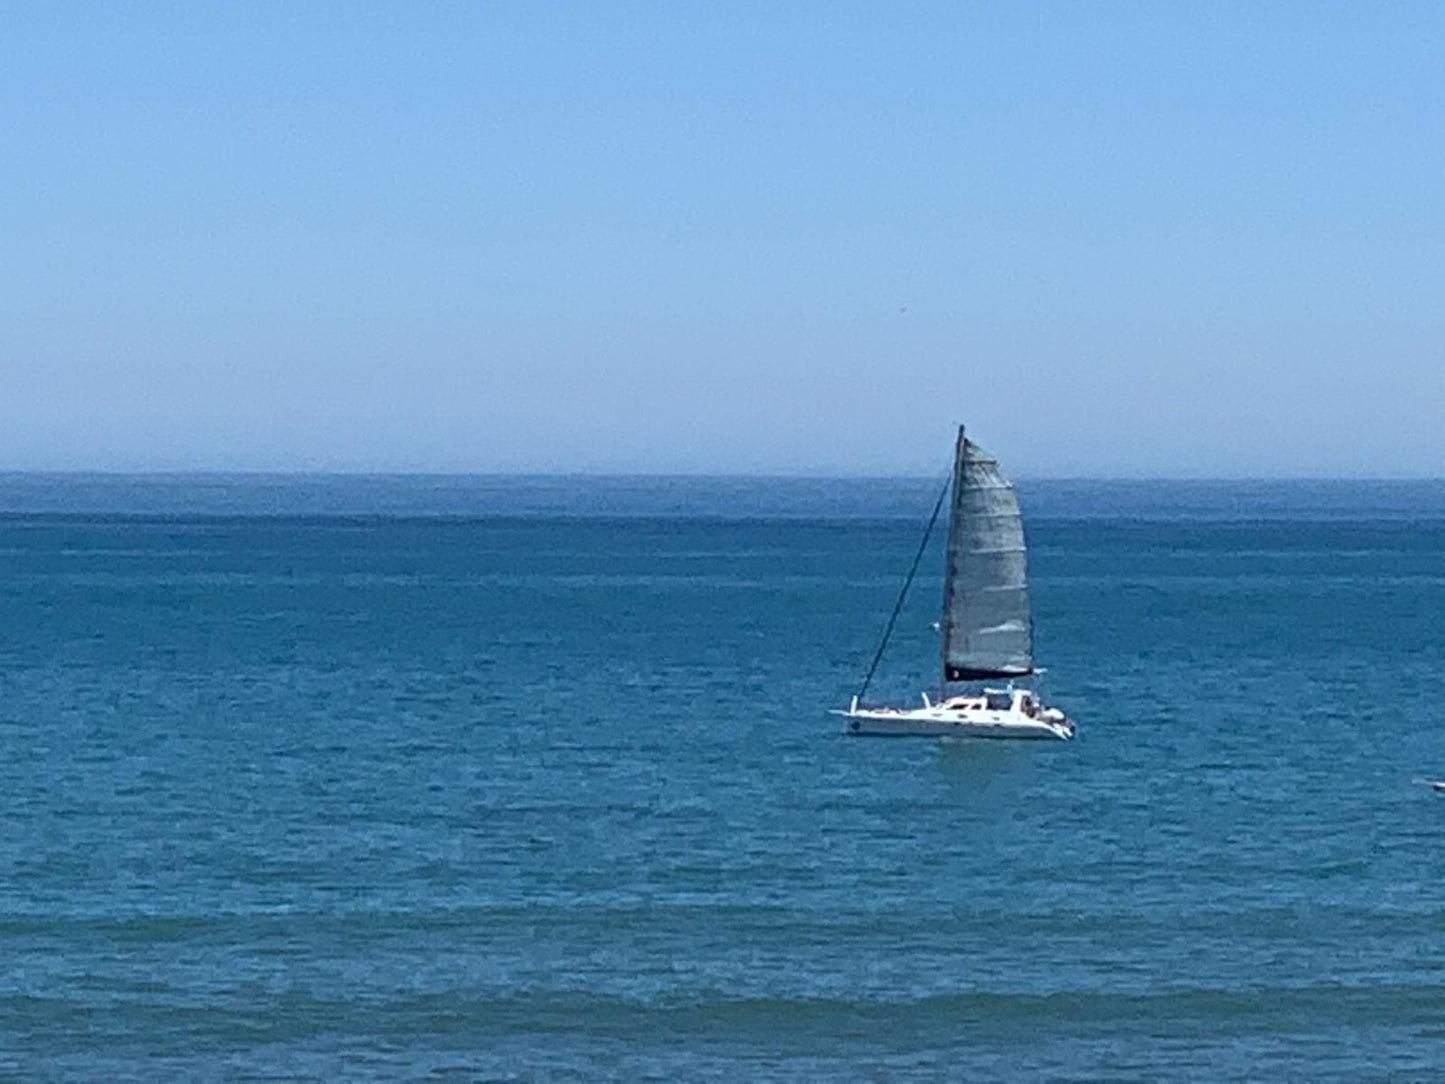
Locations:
{"points": [[962, 673]]}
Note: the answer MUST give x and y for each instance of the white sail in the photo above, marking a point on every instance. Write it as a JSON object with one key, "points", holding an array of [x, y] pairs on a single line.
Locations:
{"points": [[985, 624]]}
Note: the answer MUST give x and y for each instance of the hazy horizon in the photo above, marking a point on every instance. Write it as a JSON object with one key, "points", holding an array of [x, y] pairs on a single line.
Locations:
{"points": [[735, 239], [384, 496], [800, 475]]}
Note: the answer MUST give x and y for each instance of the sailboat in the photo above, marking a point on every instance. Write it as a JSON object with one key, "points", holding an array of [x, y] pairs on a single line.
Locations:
{"points": [[985, 628]]}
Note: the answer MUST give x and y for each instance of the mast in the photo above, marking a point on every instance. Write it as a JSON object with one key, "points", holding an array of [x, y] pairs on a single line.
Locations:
{"points": [[950, 557]]}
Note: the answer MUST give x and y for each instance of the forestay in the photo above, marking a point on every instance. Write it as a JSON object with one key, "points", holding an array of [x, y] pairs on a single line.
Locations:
{"points": [[985, 622]]}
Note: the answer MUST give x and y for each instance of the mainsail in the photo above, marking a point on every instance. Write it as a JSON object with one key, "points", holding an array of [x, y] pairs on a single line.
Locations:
{"points": [[985, 590]]}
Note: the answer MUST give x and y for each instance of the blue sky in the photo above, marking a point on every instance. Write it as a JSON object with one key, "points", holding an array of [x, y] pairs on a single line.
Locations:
{"points": [[1115, 239]]}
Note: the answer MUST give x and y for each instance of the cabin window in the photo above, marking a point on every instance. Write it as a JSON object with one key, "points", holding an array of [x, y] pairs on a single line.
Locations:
{"points": [[998, 701]]}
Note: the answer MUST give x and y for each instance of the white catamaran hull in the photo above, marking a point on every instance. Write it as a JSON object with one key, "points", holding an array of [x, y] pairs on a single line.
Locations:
{"points": [[962, 719]]}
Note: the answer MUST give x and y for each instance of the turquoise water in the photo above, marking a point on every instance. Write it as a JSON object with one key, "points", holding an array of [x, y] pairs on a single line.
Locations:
{"points": [[498, 785]]}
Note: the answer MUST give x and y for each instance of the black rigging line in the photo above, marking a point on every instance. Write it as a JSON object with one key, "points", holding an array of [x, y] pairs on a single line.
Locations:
{"points": [[897, 606]]}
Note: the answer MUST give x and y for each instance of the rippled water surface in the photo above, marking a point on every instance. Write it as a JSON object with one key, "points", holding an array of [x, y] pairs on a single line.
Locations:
{"points": [[289, 791]]}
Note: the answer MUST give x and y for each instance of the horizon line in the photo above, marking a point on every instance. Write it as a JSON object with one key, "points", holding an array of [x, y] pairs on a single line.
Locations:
{"points": [[604, 475]]}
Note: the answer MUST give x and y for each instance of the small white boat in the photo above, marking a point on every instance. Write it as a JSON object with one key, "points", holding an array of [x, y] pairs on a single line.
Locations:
{"points": [[994, 713], [985, 630]]}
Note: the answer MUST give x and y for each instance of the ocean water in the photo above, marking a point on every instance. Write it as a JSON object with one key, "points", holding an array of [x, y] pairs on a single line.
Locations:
{"points": [[533, 780]]}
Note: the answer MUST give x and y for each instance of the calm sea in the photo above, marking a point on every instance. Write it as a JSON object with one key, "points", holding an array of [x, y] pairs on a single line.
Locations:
{"points": [[532, 779]]}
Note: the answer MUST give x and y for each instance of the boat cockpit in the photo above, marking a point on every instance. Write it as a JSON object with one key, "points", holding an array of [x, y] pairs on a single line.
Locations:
{"points": [[1020, 700]]}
